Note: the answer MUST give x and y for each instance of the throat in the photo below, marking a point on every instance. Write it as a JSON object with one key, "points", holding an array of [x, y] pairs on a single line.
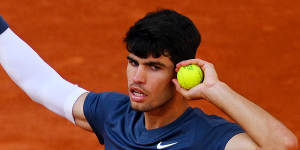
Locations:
{"points": [[165, 115]]}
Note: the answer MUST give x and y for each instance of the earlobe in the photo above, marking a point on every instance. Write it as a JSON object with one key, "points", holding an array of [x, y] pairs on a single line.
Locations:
{"points": [[176, 84], [174, 75]]}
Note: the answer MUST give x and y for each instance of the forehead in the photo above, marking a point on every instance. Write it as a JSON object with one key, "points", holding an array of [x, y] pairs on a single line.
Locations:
{"points": [[162, 59]]}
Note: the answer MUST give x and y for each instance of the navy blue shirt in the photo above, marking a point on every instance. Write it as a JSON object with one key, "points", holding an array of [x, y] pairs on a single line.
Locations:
{"points": [[3, 25], [119, 127]]}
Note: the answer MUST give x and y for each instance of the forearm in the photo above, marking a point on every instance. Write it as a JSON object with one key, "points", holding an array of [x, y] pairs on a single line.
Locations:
{"points": [[263, 128], [34, 76]]}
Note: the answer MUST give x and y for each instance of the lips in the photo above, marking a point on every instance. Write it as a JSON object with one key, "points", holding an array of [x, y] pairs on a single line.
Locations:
{"points": [[137, 94]]}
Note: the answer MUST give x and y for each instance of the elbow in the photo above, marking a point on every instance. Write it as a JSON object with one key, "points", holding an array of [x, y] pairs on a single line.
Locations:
{"points": [[287, 141], [290, 142], [284, 138]]}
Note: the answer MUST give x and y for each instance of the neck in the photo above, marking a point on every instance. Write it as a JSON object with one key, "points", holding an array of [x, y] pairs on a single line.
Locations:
{"points": [[166, 114]]}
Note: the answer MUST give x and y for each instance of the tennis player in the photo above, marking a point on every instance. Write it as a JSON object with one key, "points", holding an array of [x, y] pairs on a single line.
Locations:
{"points": [[155, 113]]}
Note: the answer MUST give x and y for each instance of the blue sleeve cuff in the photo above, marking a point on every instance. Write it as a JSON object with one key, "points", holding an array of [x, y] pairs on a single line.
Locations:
{"points": [[3, 25]]}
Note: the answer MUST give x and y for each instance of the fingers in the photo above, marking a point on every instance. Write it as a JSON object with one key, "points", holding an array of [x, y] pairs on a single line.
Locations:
{"points": [[198, 62], [210, 74], [187, 94], [207, 67], [179, 89]]}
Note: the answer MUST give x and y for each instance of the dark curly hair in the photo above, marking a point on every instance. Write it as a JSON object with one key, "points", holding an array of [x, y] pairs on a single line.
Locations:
{"points": [[163, 32]]}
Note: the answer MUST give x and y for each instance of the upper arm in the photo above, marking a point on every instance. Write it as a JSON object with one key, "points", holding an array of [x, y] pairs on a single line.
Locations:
{"points": [[241, 141], [78, 113]]}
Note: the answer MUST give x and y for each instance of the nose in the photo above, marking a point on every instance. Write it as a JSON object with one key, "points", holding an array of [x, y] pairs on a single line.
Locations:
{"points": [[140, 75]]}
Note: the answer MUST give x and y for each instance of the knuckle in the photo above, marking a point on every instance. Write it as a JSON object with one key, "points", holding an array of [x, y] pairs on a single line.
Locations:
{"points": [[211, 64], [187, 96]]}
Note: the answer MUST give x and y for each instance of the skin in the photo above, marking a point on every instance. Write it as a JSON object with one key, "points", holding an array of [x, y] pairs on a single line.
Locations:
{"points": [[161, 104], [153, 90], [262, 131], [152, 78], [164, 101]]}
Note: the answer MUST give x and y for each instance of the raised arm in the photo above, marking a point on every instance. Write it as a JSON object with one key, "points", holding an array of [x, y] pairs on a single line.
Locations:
{"points": [[263, 131], [36, 78]]}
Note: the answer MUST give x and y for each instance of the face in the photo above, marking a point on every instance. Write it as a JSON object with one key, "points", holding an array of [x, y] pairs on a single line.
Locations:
{"points": [[149, 82]]}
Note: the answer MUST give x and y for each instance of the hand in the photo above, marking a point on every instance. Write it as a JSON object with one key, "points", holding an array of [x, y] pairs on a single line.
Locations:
{"points": [[210, 79]]}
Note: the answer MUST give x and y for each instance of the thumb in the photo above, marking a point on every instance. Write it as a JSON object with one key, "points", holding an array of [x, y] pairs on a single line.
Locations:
{"points": [[179, 89]]}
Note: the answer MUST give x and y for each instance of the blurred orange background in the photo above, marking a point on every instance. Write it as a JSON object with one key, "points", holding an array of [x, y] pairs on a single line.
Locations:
{"points": [[253, 44]]}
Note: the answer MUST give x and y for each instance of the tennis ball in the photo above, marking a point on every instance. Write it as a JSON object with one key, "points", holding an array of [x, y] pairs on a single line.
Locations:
{"points": [[189, 76]]}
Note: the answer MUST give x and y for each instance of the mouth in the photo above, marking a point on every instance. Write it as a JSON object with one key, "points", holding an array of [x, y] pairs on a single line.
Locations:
{"points": [[137, 94]]}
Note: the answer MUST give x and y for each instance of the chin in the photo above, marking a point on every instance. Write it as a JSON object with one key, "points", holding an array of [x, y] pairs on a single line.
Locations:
{"points": [[140, 107]]}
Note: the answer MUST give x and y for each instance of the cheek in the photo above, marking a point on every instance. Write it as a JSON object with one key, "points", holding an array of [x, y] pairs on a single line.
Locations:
{"points": [[162, 94], [129, 73], [162, 86]]}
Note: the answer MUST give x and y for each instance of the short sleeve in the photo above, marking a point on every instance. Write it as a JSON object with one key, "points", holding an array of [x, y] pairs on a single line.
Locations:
{"points": [[3, 25], [214, 131], [100, 108], [92, 106], [219, 136]]}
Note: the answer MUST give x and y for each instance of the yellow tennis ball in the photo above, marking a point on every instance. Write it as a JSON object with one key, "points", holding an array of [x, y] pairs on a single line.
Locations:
{"points": [[189, 76]]}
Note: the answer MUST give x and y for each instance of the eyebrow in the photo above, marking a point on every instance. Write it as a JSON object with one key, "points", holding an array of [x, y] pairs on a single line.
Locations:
{"points": [[131, 59], [150, 63]]}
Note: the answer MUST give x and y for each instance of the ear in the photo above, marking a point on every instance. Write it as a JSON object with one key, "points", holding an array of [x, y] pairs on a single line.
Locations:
{"points": [[174, 75]]}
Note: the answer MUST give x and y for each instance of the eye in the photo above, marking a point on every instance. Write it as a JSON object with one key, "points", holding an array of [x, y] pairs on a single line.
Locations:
{"points": [[155, 68], [133, 63]]}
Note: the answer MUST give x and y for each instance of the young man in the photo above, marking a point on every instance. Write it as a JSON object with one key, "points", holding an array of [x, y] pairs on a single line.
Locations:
{"points": [[155, 114]]}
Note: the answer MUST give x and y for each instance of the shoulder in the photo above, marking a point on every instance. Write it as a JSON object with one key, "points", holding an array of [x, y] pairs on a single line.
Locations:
{"points": [[100, 104], [3, 25], [98, 107], [213, 131], [213, 122], [106, 97], [111, 95], [208, 120]]}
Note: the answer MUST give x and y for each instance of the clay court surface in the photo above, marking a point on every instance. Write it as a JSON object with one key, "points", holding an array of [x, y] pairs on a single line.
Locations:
{"points": [[254, 45]]}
